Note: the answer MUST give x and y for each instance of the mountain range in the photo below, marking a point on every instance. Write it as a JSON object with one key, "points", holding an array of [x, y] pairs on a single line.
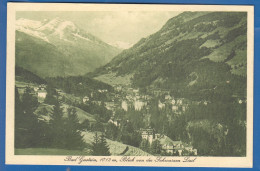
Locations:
{"points": [[59, 48], [194, 53], [199, 58]]}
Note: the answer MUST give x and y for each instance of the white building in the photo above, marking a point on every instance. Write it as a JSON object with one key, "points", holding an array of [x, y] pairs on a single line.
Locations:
{"points": [[102, 90], [179, 101], [124, 105], [139, 105], [172, 147], [148, 134], [85, 99], [118, 88], [183, 108], [167, 97], [115, 122], [161, 105], [42, 94], [135, 90], [174, 108], [110, 105]]}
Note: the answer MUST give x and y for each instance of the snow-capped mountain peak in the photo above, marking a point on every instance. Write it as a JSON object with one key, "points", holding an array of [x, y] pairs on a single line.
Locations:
{"points": [[59, 30], [30, 27], [57, 26], [26, 23], [63, 26], [50, 25], [44, 29]]}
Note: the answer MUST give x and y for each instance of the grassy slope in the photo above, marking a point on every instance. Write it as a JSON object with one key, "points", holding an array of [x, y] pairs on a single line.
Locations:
{"points": [[82, 115], [116, 148]]}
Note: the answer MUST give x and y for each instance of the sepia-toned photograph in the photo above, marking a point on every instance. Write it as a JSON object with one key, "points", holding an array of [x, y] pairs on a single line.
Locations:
{"points": [[163, 83]]}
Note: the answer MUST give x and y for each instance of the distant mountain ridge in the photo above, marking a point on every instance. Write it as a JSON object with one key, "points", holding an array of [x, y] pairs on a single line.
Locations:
{"points": [[193, 52], [76, 51]]}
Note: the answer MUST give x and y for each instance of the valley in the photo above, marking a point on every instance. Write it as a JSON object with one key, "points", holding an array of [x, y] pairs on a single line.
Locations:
{"points": [[178, 92]]}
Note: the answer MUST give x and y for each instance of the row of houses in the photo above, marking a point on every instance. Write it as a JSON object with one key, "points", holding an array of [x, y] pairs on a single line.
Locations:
{"points": [[168, 145], [38, 91], [137, 104], [180, 148]]}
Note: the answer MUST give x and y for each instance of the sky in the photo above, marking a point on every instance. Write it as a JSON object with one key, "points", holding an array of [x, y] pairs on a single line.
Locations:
{"points": [[114, 27]]}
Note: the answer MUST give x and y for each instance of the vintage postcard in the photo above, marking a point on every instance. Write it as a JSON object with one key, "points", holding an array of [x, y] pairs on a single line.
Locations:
{"points": [[129, 85]]}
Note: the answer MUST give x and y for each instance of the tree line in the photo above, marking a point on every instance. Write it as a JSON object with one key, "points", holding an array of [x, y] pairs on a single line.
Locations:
{"points": [[33, 131]]}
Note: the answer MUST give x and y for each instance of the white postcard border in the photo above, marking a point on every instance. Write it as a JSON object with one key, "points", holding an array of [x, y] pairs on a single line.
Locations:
{"points": [[110, 161]]}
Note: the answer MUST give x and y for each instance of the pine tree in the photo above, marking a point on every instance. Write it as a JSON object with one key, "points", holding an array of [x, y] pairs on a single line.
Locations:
{"points": [[95, 146], [85, 125], [103, 147], [51, 97], [112, 131], [29, 101], [99, 146], [57, 134], [72, 130], [155, 147], [144, 145], [19, 121], [30, 104], [26, 121]]}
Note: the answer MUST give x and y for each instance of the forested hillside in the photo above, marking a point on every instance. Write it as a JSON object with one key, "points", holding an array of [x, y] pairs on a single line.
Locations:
{"points": [[194, 51], [201, 57]]}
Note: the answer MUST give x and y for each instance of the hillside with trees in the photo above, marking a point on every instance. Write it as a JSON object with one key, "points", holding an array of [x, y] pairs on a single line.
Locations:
{"points": [[180, 91], [201, 57]]}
